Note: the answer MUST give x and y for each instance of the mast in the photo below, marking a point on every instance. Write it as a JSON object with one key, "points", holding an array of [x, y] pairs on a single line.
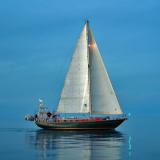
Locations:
{"points": [[89, 65]]}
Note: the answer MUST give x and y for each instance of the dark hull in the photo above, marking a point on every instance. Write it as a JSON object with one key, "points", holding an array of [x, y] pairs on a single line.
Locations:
{"points": [[94, 125]]}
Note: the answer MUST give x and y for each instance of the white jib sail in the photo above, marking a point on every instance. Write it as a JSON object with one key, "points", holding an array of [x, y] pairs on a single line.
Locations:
{"points": [[75, 94], [103, 98]]}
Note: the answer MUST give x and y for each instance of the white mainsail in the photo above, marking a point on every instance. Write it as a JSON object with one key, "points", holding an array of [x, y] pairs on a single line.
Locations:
{"points": [[87, 85], [75, 94]]}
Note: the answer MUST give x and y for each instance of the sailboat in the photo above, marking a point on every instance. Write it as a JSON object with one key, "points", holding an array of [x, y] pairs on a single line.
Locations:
{"points": [[88, 100]]}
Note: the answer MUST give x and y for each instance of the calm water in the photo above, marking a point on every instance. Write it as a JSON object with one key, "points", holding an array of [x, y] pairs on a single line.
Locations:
{"points": [[136, 139]]}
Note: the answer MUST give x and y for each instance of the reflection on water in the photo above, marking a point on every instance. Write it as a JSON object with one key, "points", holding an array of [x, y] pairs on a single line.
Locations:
{"points": [[86, 145]]}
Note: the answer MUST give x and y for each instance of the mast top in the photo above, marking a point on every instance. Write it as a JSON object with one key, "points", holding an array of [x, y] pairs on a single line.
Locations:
{"points": [[87, 22]]}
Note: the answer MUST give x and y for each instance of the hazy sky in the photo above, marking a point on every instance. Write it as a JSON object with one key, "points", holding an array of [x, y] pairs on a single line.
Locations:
{"points": [[37, 39]]}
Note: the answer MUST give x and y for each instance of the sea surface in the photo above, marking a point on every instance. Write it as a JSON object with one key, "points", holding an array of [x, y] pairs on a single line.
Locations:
{"points": [[137, 138]]}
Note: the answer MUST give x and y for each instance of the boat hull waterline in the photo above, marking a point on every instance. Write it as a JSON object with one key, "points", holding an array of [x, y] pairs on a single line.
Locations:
{"points": [[91, 125]]}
